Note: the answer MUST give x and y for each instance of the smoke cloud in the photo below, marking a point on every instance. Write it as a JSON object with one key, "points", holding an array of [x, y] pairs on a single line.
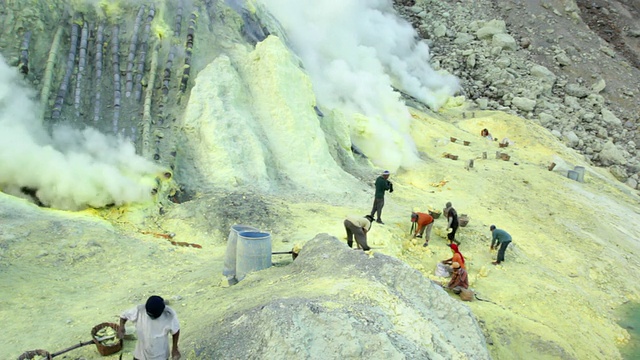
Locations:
{"points": [[68, 169], [354, 52]]}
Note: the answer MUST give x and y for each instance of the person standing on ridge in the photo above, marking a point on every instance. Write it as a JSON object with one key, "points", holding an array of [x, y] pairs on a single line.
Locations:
{"points": [[502, 238], [358, 226], [154, 322], [425, 222], [452, 227], [485, 134], [382, 185]]}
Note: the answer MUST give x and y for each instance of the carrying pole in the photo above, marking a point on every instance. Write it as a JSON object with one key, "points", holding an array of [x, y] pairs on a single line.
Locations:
{"points": [[81, 344]]}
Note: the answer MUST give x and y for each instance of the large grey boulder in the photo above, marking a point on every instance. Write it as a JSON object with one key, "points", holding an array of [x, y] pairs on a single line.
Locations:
{"points": [[546, 119], [491, 28], [348, 305], [576, 90], [599, 85], [610, 118], [463, 38], [619, 172], [611, 155], [504, 42], [543, 74], [572, 139], [523, 103]]}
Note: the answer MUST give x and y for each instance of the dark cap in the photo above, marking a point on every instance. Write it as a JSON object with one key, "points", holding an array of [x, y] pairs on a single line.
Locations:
{"points": [[154, 306], [492, 227]]}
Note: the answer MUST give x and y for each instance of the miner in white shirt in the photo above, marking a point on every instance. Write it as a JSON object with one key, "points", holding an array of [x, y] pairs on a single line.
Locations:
{"points": [[154, 322]]}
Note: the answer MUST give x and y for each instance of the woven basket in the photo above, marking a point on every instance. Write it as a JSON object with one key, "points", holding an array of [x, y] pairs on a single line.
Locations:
{"points": [[33, 353], [463, 220], [503, 145], [466, 295], [106, 349], [434, 214]]}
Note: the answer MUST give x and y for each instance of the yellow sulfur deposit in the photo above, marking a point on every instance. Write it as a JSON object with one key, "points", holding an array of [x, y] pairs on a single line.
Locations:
{"points": [[112, 10]]}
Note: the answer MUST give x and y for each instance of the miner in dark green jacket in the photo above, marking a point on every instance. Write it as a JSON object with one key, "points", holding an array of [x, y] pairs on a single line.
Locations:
{"points": [[382, 185]]}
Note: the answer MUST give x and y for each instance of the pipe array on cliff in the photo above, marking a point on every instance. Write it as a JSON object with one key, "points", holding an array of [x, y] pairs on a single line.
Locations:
{"points": [[64, 86], [23, 65], [115, 63], [178, 23], [48, 72], [166, 78], [146, 114], [144, 47], [132, 52], [82, 63], [99, 46], [188, 51], [209, 6], [167, 71]]}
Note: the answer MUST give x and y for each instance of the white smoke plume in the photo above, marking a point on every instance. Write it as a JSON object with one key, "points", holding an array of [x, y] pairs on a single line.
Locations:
{"points": [[69, 169], [354, 51]]}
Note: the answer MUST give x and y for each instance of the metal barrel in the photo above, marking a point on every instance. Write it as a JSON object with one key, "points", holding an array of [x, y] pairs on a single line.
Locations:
{"points": [[580, 170], [229, 269], [253, 252]]}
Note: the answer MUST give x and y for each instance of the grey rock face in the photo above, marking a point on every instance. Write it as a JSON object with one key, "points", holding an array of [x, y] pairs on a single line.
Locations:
{"points": [[503, 59]]}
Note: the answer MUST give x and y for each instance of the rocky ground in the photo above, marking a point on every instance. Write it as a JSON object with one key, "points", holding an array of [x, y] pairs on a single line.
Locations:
{"points": [[337, 322], [570, 66]]}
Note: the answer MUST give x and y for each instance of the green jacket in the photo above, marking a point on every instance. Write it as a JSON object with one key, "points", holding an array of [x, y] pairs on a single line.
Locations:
{"points": [[500, 236], [382, 185]]}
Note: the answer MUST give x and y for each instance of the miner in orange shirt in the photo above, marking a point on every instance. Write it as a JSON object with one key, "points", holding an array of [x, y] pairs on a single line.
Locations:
{"points": [[425, 223], [457, 257]]}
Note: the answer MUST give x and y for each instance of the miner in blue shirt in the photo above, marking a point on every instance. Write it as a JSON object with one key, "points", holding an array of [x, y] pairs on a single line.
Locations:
{"points": [[502, 238]]}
